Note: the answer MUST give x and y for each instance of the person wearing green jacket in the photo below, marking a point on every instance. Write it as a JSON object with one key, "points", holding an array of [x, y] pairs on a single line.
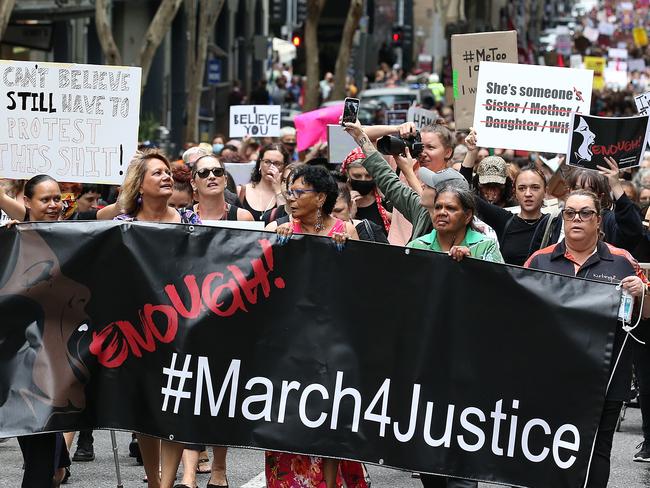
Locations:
{"points": [[453, 233]]}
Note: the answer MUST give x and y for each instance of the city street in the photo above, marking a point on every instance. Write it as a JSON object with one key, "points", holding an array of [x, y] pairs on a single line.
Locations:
{"points": [[245, 467]]}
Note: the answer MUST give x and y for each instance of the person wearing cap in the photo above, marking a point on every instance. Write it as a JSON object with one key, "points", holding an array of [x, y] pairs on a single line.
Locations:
{"points": [[403, 197], [492, 181]]}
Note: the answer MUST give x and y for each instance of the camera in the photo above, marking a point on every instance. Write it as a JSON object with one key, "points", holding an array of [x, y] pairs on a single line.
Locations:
{"points": [[395, 146]]}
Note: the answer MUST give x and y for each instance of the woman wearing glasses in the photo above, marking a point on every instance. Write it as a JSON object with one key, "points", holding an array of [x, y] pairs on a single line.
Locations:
{"points": [[260, 194], [581, 253], [209, 182], [311, 197]]}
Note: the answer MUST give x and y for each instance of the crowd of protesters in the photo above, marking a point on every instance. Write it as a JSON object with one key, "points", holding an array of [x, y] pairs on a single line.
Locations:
{"points": [[504, 206], [573, 221]]}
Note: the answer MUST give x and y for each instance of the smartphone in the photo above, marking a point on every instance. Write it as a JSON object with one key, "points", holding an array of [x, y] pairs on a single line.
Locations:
{"points": [[350, 110]]}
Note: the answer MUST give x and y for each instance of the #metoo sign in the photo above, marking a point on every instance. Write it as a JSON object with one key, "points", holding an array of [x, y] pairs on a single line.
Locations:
{"points": [[76, 123]]}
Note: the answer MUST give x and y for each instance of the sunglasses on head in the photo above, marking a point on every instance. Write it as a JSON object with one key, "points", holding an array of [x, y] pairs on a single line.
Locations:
{"points": [[205, 172]]}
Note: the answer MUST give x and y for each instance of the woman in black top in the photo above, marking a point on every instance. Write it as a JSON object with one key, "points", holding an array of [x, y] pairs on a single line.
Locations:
{"points": [[515, 232], [261, 193]]}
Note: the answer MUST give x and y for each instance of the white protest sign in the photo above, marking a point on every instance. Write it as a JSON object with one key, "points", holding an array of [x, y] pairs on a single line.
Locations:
{"points": [[636, 64], [606, 29], [575, 61], [642, 103], [255, 120], [421, 117], [520, 106], [339, 143], [591, 34], [4, 218], [240, 172], [615, 78], [74, 122], [616, 53]]}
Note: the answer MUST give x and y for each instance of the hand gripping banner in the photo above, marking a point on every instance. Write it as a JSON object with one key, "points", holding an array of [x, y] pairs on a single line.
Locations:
{"points": [[381, 354]]}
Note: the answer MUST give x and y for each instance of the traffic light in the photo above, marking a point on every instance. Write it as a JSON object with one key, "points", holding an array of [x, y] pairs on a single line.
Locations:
{"points": [[398, 35], [296, 39]]}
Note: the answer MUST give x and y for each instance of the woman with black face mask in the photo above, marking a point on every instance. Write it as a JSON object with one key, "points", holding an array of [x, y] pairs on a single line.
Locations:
{"points": [[367, 197]]}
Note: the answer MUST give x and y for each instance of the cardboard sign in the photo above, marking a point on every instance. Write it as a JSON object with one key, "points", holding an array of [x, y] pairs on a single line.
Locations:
{"points": [[640, 36], [597, 65], [339, 143], [593, 138], [467, 52], [74, 122], [422, 117], [255, 120], [529, 107]]}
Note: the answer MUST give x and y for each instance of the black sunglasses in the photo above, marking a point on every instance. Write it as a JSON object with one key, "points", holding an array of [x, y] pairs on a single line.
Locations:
{"points": [[205, 172]]}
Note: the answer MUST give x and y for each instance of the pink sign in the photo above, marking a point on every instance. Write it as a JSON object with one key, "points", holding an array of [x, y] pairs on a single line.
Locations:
{"points": [[311, 127]]}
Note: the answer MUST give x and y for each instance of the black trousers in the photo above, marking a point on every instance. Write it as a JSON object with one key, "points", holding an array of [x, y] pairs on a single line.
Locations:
{"points": [[43, 454], [432, 481], [642, 370], [599, 471]]}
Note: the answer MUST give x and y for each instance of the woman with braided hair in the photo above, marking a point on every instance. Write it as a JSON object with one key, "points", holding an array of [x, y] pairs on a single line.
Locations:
{"points": [[369, 203]]}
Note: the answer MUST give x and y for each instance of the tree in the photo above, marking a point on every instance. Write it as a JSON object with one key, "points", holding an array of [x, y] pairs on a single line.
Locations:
{"points": [[314, 10], [156, 32], [6, 7], [197, 53], [105, 34], [343, 58]]}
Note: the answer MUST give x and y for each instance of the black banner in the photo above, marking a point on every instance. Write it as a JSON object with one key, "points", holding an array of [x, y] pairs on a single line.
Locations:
{"points": [[387, 355], [594, 138]]}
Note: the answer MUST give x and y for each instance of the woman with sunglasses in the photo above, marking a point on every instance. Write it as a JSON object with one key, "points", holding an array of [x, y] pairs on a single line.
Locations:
{"points": [[581, 253], [260, 194], [209, 184]]}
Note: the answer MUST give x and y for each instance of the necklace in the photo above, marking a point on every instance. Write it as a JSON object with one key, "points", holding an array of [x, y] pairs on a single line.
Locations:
{"points": [[530, 221]]}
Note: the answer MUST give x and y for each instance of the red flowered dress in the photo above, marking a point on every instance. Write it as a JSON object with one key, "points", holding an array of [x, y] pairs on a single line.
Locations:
{"points": [[284, 470]]}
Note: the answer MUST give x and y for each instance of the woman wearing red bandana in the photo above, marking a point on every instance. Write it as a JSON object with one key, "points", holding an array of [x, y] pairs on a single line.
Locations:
{"points": [[369, 202]]}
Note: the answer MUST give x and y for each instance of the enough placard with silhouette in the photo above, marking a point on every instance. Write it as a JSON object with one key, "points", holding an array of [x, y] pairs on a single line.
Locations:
{"points": [[593, 138]]}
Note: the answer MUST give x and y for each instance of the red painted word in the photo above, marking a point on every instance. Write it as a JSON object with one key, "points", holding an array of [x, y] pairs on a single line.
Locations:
{"points": [[621, 146], [159, 323]]}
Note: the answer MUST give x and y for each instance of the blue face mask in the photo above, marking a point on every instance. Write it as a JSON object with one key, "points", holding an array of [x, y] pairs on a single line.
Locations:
{"points": [[216, 148]]}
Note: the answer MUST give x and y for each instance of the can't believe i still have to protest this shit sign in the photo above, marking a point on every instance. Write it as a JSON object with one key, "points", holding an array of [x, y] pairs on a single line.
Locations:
{"points": [[77, 123]]}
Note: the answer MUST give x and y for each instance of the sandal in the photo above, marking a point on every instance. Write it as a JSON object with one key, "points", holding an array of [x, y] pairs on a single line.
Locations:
{"points": [[204, 471]]}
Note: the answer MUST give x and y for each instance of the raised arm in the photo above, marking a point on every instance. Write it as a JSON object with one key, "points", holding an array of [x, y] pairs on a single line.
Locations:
{"points": [[12, 207], [403, 198]]}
